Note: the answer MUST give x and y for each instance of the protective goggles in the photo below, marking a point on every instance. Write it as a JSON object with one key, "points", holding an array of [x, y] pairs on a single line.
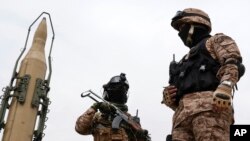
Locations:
{"points": [[116, 81]]}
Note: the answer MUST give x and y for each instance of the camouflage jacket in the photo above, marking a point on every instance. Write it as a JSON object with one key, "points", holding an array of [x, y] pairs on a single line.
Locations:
{"points": [[223, 49]]}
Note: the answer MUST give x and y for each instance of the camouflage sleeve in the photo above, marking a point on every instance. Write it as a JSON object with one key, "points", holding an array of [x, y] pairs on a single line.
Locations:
{"points": [[224, 49], [84, 122]]}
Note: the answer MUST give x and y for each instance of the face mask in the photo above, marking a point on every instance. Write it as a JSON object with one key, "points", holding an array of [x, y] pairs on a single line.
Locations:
{"points": [[185, 35], [200, 32], [193, 34], [116, 93]]}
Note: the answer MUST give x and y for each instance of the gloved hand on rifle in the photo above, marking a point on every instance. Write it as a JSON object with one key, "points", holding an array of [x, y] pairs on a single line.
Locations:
{"points": [[222, 97], [103, 107]]}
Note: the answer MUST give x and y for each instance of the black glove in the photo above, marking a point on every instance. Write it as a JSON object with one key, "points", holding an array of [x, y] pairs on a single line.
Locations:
{"points": [[103, 107]]}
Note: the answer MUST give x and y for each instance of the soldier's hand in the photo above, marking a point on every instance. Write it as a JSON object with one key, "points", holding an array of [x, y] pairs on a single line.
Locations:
{"points": [[103, 107], [222, 98], [96, 106], [169, 96]]}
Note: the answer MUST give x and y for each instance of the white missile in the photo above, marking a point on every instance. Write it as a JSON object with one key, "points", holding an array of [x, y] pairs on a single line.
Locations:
{"points": [[22, 114]]}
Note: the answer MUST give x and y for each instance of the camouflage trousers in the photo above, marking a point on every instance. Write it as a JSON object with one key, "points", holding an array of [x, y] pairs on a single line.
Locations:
{"points": [[201, 125]]}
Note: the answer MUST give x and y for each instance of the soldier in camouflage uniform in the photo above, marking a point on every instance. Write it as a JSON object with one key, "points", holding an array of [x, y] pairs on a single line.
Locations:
{"points": [[100, 124], [202, 83]]}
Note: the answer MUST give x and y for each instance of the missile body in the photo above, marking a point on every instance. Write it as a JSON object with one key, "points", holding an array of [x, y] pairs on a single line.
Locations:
{"points": [[22, 115]]}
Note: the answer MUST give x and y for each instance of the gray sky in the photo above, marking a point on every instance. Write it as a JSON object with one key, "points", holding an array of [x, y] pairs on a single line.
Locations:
{"points": [[97, 39]]}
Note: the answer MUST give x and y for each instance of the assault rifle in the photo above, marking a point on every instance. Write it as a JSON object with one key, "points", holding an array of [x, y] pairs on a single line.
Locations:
{"points": [[120, 115]]}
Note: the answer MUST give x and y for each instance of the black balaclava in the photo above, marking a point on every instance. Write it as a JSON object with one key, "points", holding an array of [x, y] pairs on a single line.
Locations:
{"points": [[199, 32], [116, 93], [116, 89]]}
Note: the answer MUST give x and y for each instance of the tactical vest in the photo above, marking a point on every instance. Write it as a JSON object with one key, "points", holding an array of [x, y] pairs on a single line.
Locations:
{"points": [[195, 72]]}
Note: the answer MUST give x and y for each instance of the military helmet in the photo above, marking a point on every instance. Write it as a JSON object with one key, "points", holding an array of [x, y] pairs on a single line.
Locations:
{"points": [[116, 89], [191, 15]]}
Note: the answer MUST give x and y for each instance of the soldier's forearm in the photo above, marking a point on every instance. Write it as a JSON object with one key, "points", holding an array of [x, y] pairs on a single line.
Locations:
{"points": [[84, 122]]}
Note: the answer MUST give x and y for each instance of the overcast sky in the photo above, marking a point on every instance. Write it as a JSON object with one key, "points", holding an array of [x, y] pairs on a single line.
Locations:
{"points": [[97, 39]]}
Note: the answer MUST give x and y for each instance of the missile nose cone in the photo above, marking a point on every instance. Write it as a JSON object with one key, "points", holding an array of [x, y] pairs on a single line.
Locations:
{"points": [[41, 32]]}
